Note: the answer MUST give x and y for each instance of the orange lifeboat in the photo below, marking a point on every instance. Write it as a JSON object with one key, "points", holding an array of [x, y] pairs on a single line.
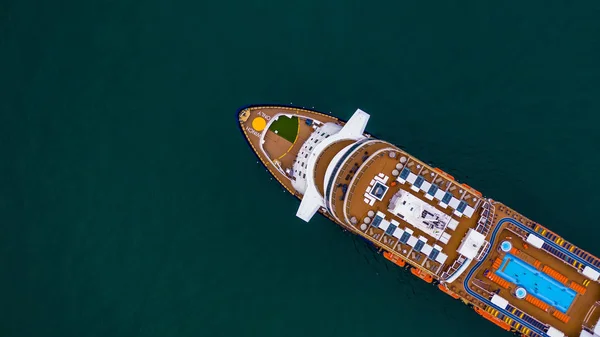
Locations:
{"points": [[443, 173], [422, 275], [448, 291], [492, 319], [472, 190], [395, 259]]}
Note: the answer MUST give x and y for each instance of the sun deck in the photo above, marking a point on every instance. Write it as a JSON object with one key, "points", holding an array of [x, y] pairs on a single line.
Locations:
{"points": [[370, 181]]}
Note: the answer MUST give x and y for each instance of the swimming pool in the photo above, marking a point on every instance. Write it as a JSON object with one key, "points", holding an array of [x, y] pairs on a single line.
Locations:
{"points": [[536, 283]]}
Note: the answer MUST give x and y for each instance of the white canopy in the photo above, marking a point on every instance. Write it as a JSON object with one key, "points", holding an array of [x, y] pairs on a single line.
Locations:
{"points": [[535, 240], [384, 225], [592, 275], [454, 202], [452, 224], [553, 332], [499, 301], [471, 244], [398, 232], [441, 258], [412, 241], [469, 211]]}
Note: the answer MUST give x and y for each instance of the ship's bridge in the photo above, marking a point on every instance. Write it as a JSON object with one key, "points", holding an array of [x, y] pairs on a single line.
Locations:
{"points": [[299, 169], [313, 200]]}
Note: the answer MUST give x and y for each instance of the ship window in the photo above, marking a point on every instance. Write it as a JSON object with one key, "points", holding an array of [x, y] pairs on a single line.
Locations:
{"points": [[327, 136], [304, 175], [306, 156], [310, 148]]}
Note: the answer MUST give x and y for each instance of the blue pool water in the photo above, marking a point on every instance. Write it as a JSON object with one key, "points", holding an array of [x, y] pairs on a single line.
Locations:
{"points": [[536, 283]]}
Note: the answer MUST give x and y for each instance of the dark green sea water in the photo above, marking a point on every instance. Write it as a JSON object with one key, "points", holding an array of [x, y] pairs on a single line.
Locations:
{"points": [[130, 205]]}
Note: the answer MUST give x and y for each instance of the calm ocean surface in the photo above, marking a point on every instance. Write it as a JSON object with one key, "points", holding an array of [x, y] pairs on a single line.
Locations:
{"points": [[130, 205]]}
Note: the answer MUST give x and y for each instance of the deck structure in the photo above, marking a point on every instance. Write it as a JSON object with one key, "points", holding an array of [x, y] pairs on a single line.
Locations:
{"points": [[511, 270]]}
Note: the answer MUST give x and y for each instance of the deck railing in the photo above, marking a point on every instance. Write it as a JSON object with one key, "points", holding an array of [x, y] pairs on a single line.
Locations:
{"points": [[457, 263], [476, 283], [487, 217], [526, 317]]}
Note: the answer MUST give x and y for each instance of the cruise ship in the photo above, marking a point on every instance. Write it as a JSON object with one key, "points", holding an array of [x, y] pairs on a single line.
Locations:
{"points": [[511, 270]]}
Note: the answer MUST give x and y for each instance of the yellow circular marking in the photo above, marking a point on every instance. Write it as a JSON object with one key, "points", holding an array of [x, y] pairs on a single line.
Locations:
{"points": [[259, 123]]}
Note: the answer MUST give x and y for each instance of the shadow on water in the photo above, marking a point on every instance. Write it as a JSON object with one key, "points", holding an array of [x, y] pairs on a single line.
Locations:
{"points": [[379, 265]]}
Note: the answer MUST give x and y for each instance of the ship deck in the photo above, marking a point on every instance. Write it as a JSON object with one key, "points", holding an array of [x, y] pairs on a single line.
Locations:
{"points": [[374, 159], [570, 301], [513, 227], [353, 204], [276, 149]]}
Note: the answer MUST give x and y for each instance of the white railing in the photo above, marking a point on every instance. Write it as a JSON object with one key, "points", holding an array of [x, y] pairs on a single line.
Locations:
{"points": [[483, 252], [457, 263], [487, 218]]}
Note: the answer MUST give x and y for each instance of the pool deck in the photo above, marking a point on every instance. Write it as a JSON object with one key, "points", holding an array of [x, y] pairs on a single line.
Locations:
{"points": [[536, 282], [348, 209], [584, 308]]}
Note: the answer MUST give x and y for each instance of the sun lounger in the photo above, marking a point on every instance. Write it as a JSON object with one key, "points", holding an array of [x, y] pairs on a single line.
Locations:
{"points": [[439, 194], [411, 178]]}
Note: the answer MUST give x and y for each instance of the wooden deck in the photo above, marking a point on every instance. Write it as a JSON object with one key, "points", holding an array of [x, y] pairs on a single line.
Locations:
{"points": [[281, 149], [578, 313], [276, 147], [352, 204]]}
